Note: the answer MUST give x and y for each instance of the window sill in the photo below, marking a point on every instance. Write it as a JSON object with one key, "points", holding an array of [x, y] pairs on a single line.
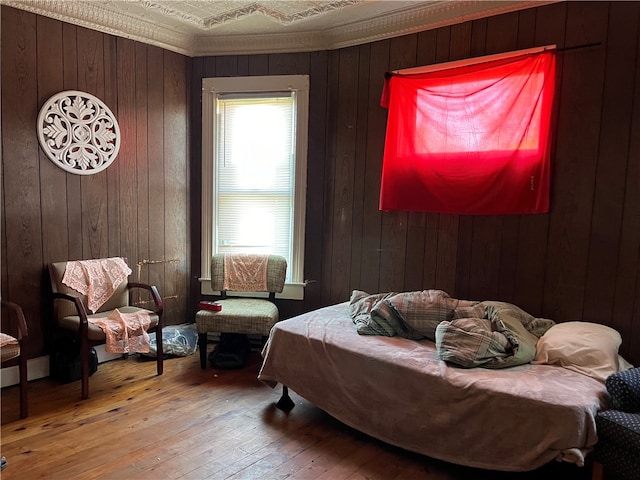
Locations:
{"points": [[291, 291]]}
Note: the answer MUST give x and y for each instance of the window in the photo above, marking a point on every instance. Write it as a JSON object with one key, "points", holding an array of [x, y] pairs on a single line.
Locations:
{"points": [[470, 139], [254, 149]]}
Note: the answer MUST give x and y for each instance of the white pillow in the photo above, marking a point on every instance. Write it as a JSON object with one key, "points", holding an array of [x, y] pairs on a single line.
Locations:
{"points": [[584, 347]]}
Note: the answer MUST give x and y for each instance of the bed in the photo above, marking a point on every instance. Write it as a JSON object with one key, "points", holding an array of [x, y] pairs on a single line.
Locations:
{"points": [[398, 391]]}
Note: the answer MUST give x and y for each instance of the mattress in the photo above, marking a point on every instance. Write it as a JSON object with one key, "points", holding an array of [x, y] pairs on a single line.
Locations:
{"points": [[398, 391]]}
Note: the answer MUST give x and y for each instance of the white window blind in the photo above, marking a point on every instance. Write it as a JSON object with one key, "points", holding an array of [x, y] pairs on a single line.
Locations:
{"points": [[255, 173]]}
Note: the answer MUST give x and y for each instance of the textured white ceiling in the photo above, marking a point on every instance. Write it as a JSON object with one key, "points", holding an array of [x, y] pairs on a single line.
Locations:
{"points": [[219, 27]]}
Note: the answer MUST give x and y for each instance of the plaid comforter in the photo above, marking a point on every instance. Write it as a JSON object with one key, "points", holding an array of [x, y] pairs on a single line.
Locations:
{"points": [[467, 333], [504, 337], [413, 315]]}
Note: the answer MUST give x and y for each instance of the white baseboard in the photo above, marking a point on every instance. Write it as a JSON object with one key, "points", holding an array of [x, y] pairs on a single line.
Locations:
{"points": [[39, 367]]}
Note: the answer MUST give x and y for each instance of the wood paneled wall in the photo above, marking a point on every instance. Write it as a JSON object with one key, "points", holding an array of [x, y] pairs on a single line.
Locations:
{"points": [[137, 208], [581, 261]]}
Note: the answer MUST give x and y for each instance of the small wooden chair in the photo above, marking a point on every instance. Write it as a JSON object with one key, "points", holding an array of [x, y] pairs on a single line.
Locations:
{"points": [[15, 352], [240, 314], [70, 314]]}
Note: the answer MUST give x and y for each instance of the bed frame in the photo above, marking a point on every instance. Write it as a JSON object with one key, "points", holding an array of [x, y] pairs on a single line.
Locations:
{"points": [[398, 391]]}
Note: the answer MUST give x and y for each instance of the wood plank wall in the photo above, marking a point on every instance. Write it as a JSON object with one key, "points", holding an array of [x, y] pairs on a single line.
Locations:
{"points": [[137, 208], [579, 262]]}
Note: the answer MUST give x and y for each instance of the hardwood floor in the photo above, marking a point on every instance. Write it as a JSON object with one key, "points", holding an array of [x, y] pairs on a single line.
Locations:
{"points": [[194, 424]]}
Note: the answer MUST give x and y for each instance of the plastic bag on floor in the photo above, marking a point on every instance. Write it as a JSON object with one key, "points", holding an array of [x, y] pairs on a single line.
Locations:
{"points": [[179, 340]]}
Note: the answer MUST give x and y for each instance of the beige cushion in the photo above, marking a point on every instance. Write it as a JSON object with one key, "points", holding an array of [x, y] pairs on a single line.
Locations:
{"points": [[584, 347], [9, 351], [72, 322], [239, 315]]}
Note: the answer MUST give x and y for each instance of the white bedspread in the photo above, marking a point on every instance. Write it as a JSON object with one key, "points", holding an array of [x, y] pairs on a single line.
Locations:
{"points": [[397, 390]]}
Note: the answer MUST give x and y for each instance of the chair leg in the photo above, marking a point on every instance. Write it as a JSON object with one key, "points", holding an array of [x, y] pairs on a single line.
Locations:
{"points": [[24, 402], [202, 346], [597, 471], [84, 360], [159, 352]]}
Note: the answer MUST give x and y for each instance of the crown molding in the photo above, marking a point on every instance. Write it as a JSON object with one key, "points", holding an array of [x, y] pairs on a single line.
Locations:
{"points": [[96, 17], [411, 20]]}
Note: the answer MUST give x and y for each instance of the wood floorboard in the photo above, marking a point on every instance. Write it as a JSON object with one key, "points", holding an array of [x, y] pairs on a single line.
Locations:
{"points": [[191, 424]]}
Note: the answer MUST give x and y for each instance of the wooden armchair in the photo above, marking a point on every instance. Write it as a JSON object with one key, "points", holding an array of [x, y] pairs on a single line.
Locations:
{"points": [[15, 351], [71, 314]]}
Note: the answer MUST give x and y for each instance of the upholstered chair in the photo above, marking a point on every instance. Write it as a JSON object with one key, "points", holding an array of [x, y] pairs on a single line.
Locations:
{"points": [[14, 349], [618, 447], [72, 314], [241, 311]]}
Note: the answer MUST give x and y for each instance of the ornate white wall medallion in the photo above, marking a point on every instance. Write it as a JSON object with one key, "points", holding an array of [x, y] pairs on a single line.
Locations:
{"points": [[78, 132]]}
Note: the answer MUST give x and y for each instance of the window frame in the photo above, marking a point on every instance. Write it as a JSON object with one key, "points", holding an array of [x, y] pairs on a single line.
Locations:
{"points": [[213, 86]]}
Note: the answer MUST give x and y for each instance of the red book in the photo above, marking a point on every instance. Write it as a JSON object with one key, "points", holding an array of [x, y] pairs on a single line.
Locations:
{"points": [[211, 306]]}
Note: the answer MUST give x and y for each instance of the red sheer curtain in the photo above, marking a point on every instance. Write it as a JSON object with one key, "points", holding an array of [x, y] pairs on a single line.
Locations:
{"points": [[470, 140]]}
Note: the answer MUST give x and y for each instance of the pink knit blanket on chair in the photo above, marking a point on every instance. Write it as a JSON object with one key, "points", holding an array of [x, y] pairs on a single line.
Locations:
{"points": [[97, 279], [245, 273], [125, 332]]}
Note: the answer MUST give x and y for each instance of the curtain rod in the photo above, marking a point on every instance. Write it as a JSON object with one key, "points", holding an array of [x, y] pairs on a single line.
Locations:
{"points": [[488, 58], [473, 61]]}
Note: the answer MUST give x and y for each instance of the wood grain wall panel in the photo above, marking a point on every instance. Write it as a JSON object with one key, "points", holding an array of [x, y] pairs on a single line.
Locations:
{"points": [[142, 160], [288, 64], [448, 226], [53, 179], [479, 37], [113, 172], [503, 36], [360, 163], [342, 221], [626, 304], [502, 33], [402, 54], [487, 254], [533, 230], [416, 222], [155, 151], [243, 65], [175, 187], [21, 165], [576, 159], [258, 65], [93, 187], [74, 192], [465, 235], [376, 126], [195, 174], [333, 79], [606, 220], [316, 160], [526, 28], [227, 66], [127, 155], [423, 225]]}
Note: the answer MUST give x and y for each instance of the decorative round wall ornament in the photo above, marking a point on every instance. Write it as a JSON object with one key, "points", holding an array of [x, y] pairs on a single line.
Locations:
{"points": [[78, 132]]}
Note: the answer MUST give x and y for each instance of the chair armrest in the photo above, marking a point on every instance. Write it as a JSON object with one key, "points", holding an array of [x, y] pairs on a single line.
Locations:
{"points": [[77, 301], [154, 294], [624, 390], [23, 331]]}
